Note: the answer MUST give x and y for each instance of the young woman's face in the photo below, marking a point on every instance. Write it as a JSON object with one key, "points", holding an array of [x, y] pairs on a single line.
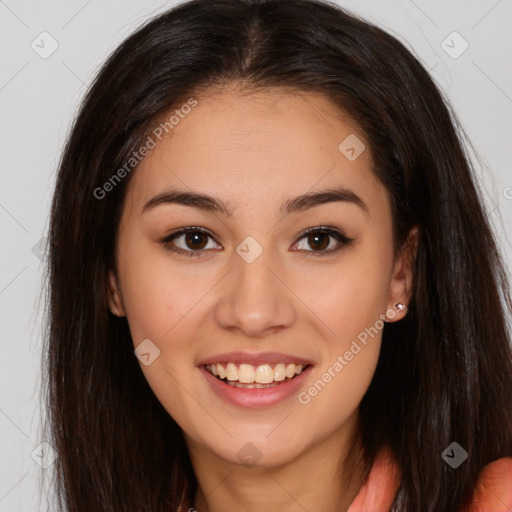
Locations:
{"points": [[251, 290]]}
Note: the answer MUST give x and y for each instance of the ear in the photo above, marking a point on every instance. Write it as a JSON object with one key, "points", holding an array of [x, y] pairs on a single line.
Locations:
{"points": [[400, 287], [115, 301]]}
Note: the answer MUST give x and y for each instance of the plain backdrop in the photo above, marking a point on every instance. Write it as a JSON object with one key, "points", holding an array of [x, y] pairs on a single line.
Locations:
{"points": [[40, 93]]}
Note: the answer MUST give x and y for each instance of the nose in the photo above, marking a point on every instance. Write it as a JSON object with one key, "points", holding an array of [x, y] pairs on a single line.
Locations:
{"points": [[256, 300]]}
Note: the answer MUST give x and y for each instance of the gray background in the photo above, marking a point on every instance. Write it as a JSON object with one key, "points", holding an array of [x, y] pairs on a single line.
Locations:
{"points": [[39, 96]]}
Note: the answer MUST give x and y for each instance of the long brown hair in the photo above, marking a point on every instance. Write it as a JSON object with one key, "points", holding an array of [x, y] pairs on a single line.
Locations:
{"points": [[445, 371]]}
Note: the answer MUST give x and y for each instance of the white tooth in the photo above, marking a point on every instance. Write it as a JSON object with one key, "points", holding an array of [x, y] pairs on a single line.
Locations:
{"points": [[246, 373], [264, 374], [279, 372], [290, 370], [221, 371], [231, 372]]}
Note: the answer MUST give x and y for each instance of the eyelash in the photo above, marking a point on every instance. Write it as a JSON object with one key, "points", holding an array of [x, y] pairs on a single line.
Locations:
{"points": [[342, 239]]}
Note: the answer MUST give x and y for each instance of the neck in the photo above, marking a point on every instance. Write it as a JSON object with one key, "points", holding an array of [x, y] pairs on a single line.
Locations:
{"points": [[325, 477]]}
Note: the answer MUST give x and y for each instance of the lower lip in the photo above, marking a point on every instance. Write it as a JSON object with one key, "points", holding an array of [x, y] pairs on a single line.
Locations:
{"points": [[256, 398]]}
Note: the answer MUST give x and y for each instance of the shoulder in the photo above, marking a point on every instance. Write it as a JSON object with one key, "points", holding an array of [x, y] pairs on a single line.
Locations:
{"points": [[378, 492], [493, 492]]}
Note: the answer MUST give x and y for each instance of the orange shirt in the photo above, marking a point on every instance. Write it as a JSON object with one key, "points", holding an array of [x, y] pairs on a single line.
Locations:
{"points": [[493, 492]]}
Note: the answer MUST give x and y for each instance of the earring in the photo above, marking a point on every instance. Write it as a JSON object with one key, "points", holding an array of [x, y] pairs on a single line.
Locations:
{"points": [[399, 306]]}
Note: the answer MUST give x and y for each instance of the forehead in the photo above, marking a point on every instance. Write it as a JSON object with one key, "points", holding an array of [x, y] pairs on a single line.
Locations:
{"points": [[258, 146]]}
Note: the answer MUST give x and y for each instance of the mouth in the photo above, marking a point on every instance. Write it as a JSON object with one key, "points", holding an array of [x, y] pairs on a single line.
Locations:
{"points": [[255, 380], [262, 376]]}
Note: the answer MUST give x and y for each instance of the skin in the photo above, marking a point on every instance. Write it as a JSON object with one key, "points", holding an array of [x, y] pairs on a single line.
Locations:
{"points": [[255, 150]]}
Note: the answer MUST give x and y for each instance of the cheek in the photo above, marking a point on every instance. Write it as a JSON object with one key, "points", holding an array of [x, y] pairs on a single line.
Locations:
{"points": [[156, 296], [351, 301], [349, 295], [159, 304], [151, 300]]}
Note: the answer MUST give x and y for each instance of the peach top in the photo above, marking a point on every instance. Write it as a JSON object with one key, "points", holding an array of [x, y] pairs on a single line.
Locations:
{"points": [[493, 492]]}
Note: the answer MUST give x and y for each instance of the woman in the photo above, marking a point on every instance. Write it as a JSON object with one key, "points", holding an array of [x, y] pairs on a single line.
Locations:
{"points": [[200, 356]]}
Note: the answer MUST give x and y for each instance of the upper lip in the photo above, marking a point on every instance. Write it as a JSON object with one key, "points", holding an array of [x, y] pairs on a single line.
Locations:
{"points": [[254, 358]]}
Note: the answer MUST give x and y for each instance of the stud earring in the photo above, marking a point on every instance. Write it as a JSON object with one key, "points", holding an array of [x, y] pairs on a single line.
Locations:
{"points": [[399, 306]]}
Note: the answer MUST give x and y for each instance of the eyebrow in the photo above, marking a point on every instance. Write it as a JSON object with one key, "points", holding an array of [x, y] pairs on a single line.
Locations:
{"points": [[296, 204]]}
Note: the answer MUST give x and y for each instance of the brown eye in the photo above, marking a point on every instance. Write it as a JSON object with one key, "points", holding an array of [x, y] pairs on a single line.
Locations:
{"points": [[318, 240], [189, 241], [323, 241], [195, 240]]}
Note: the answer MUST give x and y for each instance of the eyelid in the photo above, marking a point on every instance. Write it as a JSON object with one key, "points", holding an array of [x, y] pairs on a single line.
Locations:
{"points": [[184, 231], [336, 233], [342, 239]]}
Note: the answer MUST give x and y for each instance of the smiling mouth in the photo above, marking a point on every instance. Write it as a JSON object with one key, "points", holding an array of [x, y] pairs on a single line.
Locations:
{"points": [[261, 376]]}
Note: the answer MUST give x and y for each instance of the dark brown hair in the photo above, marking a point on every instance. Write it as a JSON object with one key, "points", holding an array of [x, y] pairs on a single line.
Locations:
{"points": [[445, 370]]}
